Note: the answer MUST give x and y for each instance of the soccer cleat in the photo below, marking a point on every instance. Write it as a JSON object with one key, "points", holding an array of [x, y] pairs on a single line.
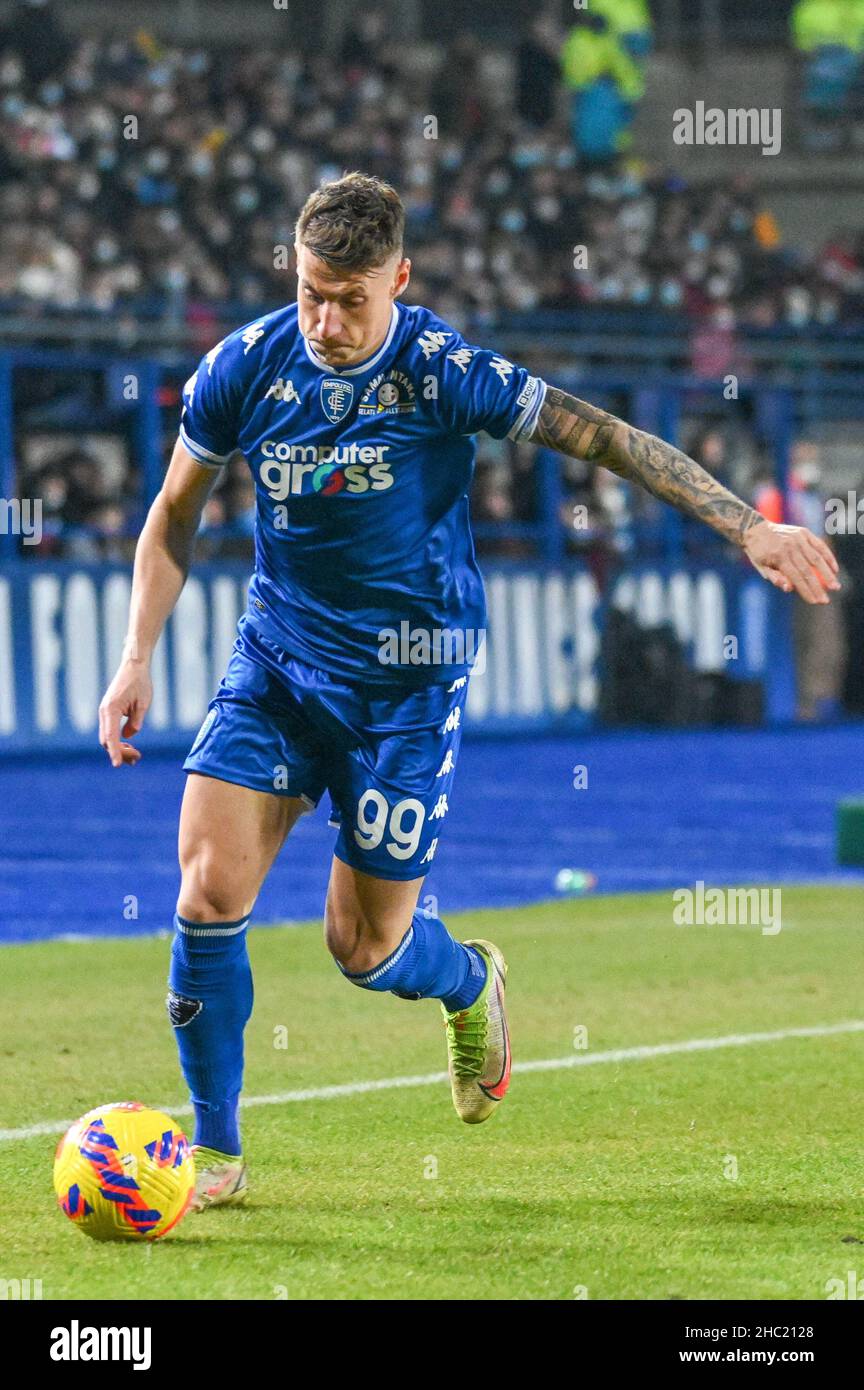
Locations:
{"points": [[478, 1044], [220, 1179]]}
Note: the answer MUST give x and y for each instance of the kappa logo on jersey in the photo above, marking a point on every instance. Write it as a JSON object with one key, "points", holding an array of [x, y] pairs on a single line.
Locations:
{"points": [[432, 341], [250, 336], [336, 398], [502, 367], [388, 393], [282, 391], [291, 469], [462, 358], [212, 355]]}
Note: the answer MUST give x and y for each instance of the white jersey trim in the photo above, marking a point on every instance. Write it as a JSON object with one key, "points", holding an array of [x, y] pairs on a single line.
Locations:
{"points": [[202, 455], [362, 366], [527, 420]]}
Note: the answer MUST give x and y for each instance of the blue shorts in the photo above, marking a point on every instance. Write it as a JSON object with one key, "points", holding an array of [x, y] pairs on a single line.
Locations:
{"points": [[386, 754]]}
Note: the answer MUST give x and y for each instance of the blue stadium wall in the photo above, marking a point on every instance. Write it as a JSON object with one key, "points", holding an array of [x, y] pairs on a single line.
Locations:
{"points": [[62, 627]]}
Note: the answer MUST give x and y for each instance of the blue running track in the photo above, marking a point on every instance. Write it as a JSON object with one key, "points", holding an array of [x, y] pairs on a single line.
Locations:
{"points": [[79, 841]]}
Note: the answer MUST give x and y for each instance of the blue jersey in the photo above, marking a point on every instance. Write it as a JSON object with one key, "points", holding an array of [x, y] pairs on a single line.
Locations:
{"points": [[364, 560]]}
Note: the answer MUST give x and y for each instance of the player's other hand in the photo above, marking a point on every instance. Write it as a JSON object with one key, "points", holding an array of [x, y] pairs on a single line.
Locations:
{"points": [[791, 557], [122, 711]]}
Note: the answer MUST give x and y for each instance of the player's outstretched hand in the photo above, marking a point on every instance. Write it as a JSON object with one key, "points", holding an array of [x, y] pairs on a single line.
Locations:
{"points": [[791, 557], [122, 712]]}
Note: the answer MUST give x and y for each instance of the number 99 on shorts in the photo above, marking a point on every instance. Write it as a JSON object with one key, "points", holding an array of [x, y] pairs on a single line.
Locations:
{"points": [[394, 836], [402, 824]]}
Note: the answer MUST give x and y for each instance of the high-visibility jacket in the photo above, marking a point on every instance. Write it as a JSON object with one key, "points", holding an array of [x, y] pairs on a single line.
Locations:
{"points": [[587, 56], [856, 23], [624, 16], [828, 24]]}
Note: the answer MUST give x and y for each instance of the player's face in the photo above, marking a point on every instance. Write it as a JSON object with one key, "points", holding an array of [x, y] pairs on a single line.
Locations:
{"points": [[346, 315]]}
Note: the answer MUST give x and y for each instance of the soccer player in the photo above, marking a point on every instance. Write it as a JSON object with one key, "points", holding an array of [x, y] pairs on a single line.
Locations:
{"points": [[356, 414]]}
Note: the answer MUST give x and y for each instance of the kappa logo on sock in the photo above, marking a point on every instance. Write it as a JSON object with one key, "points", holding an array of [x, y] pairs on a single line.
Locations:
{"points": [[182, 1010]]}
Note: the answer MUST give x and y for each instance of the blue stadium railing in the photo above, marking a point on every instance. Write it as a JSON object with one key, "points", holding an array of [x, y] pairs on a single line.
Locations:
{"points": [[60, 622], [659, 571], [651, 401]]}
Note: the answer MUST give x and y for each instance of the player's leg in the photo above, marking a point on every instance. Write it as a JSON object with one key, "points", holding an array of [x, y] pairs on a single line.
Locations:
{"points": [[381, 942], [365, 918], [229, 837], [253, 775], [391, 797]]}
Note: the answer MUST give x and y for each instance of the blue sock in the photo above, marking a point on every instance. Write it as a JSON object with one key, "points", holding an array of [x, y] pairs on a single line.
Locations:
{"points": [[428, 963], [209, 1002]]}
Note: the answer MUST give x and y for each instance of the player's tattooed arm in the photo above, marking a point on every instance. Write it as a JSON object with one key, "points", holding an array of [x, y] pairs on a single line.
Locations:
{"points": [[573, 427], [789, 556]]}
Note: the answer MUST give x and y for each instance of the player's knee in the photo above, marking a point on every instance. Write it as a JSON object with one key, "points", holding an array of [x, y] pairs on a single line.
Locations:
{"points": [[209, 891], [355, 942], [343, 933]]}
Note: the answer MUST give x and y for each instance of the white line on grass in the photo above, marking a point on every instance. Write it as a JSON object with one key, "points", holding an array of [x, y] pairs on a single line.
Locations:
{"points": [[434, 1078]]}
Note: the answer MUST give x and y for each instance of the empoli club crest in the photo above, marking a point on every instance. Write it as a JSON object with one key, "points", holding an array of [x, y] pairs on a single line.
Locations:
{"points": [[336, 398]]}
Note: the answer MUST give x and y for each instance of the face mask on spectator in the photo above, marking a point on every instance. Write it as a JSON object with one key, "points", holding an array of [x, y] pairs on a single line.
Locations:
{"points": [[513, 220]]}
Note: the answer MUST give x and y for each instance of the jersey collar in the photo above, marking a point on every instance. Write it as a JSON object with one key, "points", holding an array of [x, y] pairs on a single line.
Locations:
{"points": [[361, 366]]}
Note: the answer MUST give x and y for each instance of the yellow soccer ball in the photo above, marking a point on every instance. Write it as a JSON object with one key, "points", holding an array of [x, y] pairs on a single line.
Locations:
{"points": [[124, 1172]]}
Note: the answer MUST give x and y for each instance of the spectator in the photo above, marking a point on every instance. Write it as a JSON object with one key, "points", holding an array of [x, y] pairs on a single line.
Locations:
{"points": [[820, 647], [212, 529], [184, 224], [768, 498], [457, 91], [537, 71], [363, 42], [89, 508], [33, 32], [50, 487], [630, 22], [829, 36], [605, 83], [84, 489], [849, 545]]}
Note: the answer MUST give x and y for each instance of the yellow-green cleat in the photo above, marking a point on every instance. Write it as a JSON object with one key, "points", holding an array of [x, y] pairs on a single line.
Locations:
{"points": [[478, 1043], [220, 1179]]}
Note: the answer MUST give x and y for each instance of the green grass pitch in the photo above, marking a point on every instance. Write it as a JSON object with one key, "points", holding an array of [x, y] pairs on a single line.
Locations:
{"points": [[732, 1174]]}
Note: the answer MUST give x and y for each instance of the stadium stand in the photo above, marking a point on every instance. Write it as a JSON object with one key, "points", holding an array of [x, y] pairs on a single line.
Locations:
{"points": [[148, 189]]}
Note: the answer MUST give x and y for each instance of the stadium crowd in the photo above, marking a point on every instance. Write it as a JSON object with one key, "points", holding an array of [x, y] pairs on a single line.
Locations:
{"points": [[139, 177], [138, 174]]}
